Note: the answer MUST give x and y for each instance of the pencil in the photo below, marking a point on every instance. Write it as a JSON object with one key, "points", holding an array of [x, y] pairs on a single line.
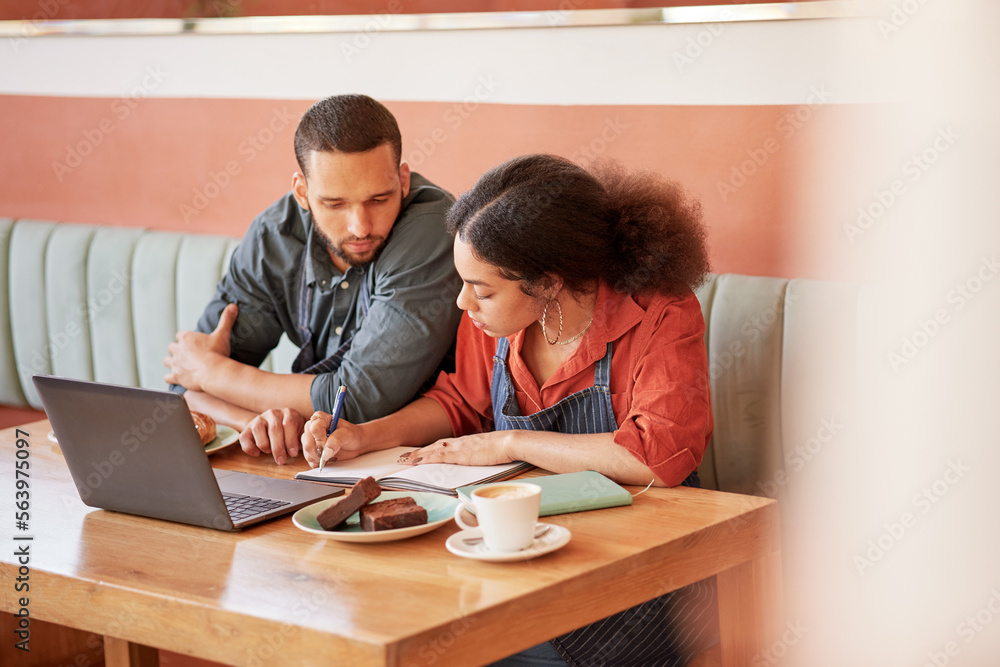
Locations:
{"points": [[338, 406]]}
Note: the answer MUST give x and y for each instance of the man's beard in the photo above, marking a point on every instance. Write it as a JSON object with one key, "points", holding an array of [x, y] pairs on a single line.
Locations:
{"points": [[350, 258]]}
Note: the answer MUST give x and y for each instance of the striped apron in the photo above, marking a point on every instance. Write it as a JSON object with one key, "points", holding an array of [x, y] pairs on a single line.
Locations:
{"points": [[665, 631]]}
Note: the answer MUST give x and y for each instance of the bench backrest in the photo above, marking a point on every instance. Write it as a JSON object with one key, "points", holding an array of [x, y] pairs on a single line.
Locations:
{"points": [[99, 303], [102, 303]]}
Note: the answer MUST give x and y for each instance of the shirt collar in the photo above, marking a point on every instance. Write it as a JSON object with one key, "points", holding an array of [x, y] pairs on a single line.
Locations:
{"points": [[614, 315]]}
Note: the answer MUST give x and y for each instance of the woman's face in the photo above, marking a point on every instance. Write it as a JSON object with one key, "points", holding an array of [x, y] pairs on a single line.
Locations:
{"points": [[494, 304]]}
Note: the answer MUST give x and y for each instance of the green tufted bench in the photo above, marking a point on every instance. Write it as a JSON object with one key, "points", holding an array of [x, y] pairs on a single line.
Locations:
{"points": [[99, 303], [102, 303]]}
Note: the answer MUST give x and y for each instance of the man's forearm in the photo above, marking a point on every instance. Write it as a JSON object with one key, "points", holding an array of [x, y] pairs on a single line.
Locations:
{"points": [[255, 390], [222, 412]]}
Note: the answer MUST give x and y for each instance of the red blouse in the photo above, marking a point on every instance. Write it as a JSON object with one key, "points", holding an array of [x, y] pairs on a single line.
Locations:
{"points": [[659, 379]]}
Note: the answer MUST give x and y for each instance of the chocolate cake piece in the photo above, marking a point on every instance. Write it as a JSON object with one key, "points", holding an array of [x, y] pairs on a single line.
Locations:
{"points": [[362, 493], [394, 513]]}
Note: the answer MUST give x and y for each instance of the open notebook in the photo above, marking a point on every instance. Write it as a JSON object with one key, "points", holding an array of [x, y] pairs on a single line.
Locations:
{"points": [[433, 477]]}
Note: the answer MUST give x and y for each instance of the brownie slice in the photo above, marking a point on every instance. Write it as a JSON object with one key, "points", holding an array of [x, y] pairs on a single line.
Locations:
{"points": [[362, 493], [394, 513]]}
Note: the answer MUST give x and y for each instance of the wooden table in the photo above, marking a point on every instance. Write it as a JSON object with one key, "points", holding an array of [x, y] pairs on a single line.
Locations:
{"points": [[275, 595]]}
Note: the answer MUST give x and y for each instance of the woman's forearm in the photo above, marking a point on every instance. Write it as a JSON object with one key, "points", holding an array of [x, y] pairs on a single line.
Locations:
{"points": [[567, 452], [421, 422]]}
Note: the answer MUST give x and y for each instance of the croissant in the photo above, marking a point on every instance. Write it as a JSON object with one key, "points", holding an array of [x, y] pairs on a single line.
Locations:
{"points": [[205, 426]]}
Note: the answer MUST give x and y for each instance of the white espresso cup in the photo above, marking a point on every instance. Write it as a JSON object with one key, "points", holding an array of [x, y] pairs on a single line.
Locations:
{"points": [[507, 514]]}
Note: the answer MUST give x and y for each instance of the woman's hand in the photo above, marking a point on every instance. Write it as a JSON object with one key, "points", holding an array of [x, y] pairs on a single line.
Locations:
{"points": [[480, 449], [344, 443]]}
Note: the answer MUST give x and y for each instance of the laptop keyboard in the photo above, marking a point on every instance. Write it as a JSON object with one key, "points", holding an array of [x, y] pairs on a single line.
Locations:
{"points": [[244, 507]]}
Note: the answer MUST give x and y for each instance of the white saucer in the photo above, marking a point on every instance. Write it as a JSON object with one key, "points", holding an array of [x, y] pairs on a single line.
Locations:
{"points": [[555, 538]]}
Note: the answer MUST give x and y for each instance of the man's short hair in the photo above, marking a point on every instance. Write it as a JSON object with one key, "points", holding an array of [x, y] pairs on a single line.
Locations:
{"points": [[346, 123]]}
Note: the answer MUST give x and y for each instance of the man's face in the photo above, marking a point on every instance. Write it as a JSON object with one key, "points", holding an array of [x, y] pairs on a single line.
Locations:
{"points": [[354, 199]]}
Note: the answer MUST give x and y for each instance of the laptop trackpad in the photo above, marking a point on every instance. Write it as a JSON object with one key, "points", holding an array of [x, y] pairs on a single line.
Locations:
{"points": [[247, 484]]}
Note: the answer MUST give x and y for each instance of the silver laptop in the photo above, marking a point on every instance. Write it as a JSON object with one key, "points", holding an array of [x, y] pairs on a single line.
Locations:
{"points": [[137, 451]]}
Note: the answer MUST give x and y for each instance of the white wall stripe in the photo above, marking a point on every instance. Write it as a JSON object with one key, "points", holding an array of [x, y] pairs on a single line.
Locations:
{"points": [[739, 63], [390, 19]]}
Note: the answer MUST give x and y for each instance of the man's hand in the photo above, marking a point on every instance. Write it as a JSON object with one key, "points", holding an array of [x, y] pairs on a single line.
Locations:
{"points": [[191, 355], [275, 432]]}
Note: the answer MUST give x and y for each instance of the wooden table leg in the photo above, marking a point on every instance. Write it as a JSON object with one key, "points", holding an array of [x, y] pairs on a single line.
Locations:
{"points": [[123, 653], [749, 609]]}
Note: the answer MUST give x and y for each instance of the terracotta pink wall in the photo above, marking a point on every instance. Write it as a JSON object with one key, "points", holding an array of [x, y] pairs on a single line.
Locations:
{"points": [[209, 165]]}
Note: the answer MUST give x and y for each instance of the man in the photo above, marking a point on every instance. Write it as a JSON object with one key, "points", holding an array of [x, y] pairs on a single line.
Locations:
{"points": [[354, 265]]}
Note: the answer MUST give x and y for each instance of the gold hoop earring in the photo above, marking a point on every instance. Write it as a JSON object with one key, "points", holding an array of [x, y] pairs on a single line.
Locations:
{"points": [[545, 311]]}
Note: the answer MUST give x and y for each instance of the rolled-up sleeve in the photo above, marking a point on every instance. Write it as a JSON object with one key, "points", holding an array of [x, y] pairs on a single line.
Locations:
{"points": [[669, 419], [465, 394], [258, 326], [409, 328]]}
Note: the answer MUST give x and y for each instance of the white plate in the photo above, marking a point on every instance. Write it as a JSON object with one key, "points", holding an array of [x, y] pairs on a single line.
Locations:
{"points": [[440, 510], [224, 436], [555, 538]]}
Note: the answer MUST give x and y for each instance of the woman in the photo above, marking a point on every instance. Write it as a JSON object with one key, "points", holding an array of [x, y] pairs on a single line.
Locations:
{"points": [[583, 350]]}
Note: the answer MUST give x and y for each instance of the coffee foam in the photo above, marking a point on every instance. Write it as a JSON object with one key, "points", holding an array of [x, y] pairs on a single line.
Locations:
{"points": [[504, 491]]}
